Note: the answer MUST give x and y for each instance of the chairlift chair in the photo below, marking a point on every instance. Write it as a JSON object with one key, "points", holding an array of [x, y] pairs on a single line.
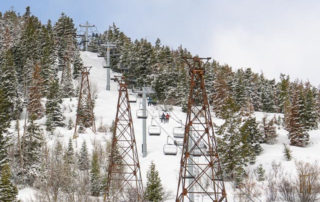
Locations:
{"points": [[132, 98], [140, 114], [178, 132], [196, 152], [154, 130], [179, 141], [169, 148]]}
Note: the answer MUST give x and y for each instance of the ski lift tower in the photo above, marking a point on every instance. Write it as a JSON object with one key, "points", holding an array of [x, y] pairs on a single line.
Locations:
{"points": [[86, 34], [124, 176], [200, 171], [145, 91], [109, 46]]}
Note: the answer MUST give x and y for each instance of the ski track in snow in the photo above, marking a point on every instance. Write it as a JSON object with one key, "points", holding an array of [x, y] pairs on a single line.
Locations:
{"points": [[167, 165]]}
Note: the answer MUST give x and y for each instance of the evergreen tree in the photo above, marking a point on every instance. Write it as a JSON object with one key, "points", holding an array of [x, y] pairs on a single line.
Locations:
{"points": [[8, 191], [222, 94], [77, 65], [67, 89], [251, 136], [239, 93], [234, 152], [9, 84], [53, 109], [65, 34], [311, 114], [268, 131], [83, 159], [4, 124], [35, 93], [95, 175], [47, 58], [154, 190], [32, 152], [69, 155], [297, 134], [261, 173], [283, 91]]}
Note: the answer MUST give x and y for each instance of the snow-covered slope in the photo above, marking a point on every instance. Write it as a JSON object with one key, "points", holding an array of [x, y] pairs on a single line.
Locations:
{"points": [[167, 165]]}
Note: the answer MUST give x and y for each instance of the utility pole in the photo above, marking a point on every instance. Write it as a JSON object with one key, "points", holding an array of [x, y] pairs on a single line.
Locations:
{"points": [[86, 26], [145, 91], [144, 122], [200, 171], [109, 46]]}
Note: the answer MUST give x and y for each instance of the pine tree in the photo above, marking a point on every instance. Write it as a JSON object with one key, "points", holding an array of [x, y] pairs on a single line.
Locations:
{"points": [[268, 131], [222, 94], [261, 173], [47, 57], [77, 65], [83, 159], [234, 152], [35, 93], [283, 87], [251, 136], [311, 114], [297, 134], [95, 175], [9, 84], [65, 35], [154, 190], [8, 191], [69, 155], [239, 93], [53, 109], [4, 124], [33, 141]]}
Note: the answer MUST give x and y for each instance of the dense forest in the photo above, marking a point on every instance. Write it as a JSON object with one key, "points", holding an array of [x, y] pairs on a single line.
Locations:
{"points": [[40, 67]]}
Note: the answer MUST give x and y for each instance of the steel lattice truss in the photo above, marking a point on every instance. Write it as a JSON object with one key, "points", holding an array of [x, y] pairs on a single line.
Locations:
{"points": [[124, 177], [200, 175], [85, 115]]}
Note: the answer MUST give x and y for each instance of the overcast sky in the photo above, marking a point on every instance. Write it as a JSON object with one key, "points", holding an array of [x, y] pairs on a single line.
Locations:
{"points": [[270, 36]]}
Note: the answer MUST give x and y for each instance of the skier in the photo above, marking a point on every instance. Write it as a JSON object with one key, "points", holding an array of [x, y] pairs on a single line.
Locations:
{"points": [[167, 117], [163, 117]]}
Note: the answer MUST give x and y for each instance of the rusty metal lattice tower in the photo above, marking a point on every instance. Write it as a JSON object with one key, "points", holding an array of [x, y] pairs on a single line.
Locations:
{"points": [[200, 176], [124, 182], [85, 116]]}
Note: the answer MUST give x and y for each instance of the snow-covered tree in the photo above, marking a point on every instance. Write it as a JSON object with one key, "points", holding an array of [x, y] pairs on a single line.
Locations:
{"points": [[53, 109], [297, 133], [234, 152], [311, 115], [35, 93], [83, 158], [4, 124], [8, 191], [95, 175], [69, 154], [33, 141], [9, 84], [268, 131]]}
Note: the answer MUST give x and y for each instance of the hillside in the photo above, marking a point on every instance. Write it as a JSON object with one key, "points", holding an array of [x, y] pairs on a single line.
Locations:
{"points": [[167, 165]]}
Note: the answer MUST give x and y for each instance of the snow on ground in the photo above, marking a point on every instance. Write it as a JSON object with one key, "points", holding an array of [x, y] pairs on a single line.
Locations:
{"points": [[167, 165]]}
